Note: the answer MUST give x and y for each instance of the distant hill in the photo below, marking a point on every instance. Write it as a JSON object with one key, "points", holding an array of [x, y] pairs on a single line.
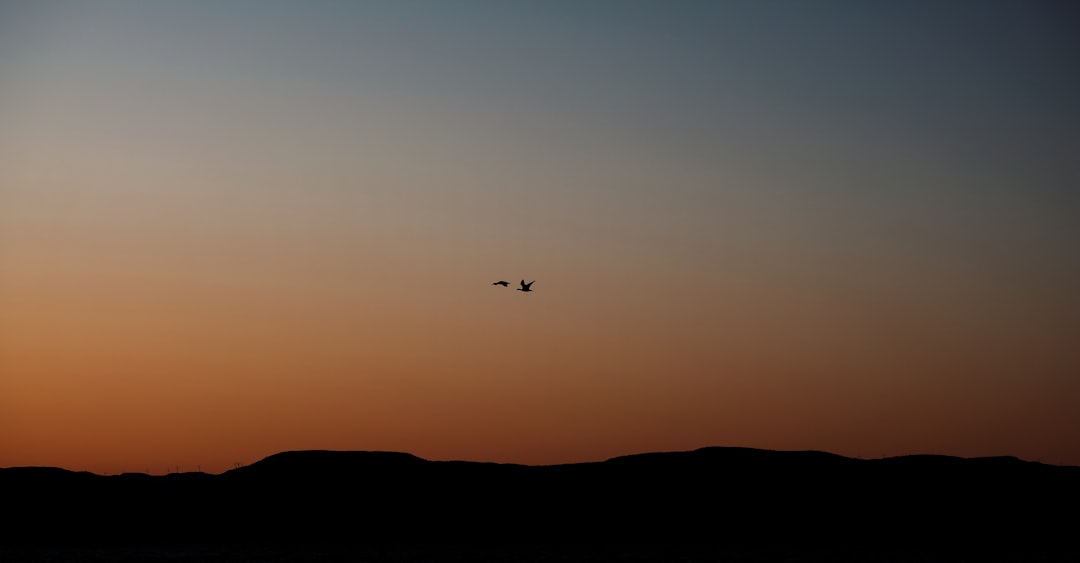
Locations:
{"points": [[716, 495]]}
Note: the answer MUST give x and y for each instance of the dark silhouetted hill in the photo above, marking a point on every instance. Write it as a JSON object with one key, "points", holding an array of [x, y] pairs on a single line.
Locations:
{"points": [[719, 496]]}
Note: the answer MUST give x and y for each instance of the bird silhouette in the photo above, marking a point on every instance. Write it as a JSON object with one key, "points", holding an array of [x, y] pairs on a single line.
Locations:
{"points": [[502, 283], [526, 286]]}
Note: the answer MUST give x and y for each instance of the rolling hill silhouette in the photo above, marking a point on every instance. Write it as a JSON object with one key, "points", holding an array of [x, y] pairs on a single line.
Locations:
{"points": [[716, 495]]}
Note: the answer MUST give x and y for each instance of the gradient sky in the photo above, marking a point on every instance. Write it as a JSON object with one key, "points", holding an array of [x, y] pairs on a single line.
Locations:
{"points": [[232, 228]]}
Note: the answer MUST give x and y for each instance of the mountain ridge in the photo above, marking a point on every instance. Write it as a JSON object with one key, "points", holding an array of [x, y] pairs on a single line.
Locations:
{"points": [[384, 456], [722, 494]]}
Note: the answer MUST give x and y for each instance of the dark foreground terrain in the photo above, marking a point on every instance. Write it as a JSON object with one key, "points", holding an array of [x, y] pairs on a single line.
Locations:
{"points": [[712, 504]]}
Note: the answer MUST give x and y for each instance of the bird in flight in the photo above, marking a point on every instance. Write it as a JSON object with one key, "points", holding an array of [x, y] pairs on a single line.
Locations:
{"points": [[526, 286], [502, 283]]}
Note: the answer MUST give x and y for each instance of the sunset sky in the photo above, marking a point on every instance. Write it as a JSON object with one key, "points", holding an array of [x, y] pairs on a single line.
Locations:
{"points": [[234, 228]]}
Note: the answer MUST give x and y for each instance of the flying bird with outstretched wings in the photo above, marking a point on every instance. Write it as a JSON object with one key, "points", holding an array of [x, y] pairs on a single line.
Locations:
{"points": [[526, 286]]}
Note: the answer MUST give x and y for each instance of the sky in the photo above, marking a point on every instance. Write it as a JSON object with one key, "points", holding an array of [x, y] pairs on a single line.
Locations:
{"points": [[234, 228]]}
